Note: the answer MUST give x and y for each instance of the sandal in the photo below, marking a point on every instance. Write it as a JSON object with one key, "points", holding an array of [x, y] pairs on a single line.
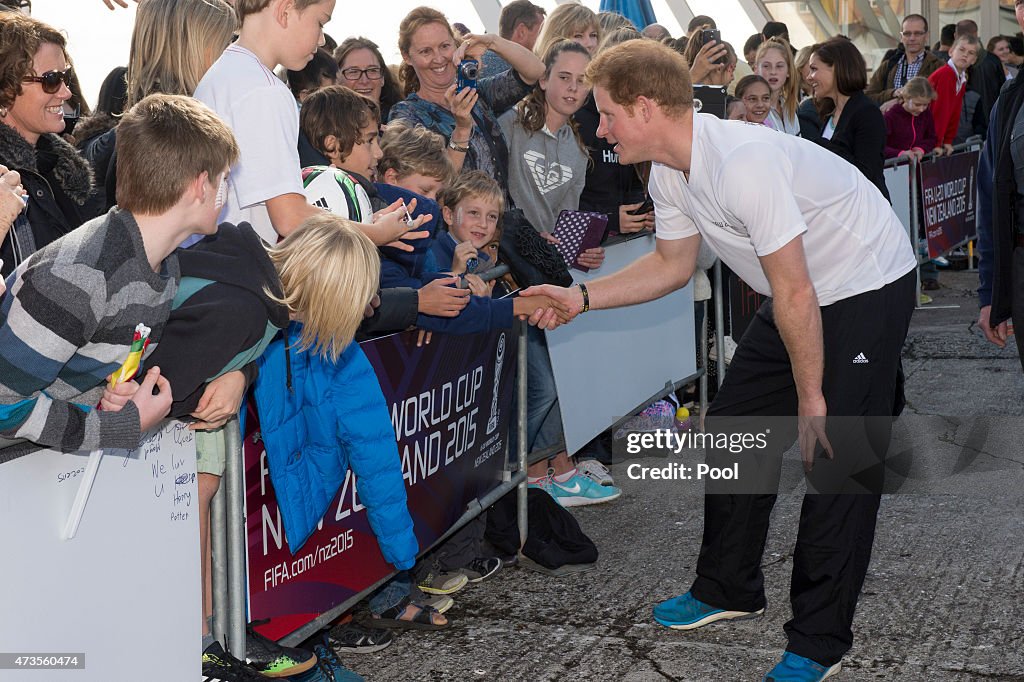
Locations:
{"points": [[423, 620]]}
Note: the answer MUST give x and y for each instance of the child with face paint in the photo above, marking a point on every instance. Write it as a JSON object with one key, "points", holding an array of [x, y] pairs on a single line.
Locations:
{"points": [[472, 209]]}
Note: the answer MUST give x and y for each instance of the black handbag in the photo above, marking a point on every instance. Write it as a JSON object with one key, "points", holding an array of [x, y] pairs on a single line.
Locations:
{"points": [[531, 260]]}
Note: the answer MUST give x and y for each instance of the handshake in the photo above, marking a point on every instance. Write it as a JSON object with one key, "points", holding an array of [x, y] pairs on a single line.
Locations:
{"points": [[547, 306]]}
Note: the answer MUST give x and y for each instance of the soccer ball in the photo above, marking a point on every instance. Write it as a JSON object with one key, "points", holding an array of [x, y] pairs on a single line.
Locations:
{"points": [[337, 192]]}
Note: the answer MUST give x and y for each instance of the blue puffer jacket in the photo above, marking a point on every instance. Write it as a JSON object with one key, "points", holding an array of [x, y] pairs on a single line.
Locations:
{"points": [[316, 423]]}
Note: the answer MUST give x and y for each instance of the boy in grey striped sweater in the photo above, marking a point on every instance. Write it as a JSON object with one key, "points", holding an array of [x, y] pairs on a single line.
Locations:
{"points": [[69, 316]]}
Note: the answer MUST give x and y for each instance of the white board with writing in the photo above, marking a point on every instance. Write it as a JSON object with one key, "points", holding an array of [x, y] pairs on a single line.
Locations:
{"points": [[124, 593]]}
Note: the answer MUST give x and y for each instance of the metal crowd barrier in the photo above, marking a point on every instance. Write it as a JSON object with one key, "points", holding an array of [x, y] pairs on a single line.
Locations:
{"points": [[973, 143], [228, 529]]}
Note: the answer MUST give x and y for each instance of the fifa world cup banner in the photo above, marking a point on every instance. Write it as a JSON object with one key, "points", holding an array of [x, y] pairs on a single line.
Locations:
{"points": [[949, 201], [450, 403]]}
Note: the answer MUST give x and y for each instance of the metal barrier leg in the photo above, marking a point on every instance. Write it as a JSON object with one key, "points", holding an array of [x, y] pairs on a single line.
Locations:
{"points": [[719, 322], [521, 445], [235, 524], [704, 360], [219, 547]]}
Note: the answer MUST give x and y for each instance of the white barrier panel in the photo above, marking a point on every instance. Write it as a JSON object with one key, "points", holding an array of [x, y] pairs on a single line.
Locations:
{"points": [[122, 597], [607, 362], [897, 181]]}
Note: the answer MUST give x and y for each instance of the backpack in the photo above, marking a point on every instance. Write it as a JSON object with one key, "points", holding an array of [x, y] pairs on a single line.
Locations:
{"points": [[554, 537]]}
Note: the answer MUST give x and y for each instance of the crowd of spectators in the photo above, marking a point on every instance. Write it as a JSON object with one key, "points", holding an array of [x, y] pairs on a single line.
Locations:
{"points": [[220, 114]]}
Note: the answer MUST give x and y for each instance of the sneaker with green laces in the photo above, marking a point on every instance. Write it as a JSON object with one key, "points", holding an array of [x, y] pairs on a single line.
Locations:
{"points": [[442, 582], [270, 658]]}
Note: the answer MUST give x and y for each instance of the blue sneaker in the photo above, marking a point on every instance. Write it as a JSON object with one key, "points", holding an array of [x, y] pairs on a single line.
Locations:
{"points": [[328, 668], [686, 612], [580, 491], [793, 668]]}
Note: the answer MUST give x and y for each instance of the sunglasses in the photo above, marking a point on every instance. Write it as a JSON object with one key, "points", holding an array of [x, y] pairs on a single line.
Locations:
{"points": [[51, 80]]}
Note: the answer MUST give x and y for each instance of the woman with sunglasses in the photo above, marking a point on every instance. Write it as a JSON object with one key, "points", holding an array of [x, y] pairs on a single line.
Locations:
{"points": [[361, 68], [34, 79]]}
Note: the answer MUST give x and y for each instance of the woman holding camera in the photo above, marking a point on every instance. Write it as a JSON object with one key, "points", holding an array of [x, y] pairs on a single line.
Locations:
{"points": [[432, 60]]}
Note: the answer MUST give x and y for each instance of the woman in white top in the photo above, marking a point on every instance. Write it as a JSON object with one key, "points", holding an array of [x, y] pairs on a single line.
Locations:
{"points": [[774, 63]]}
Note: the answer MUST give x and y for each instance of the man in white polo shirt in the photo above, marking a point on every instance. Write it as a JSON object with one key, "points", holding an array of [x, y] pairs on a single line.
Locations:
{"points": [[804, 227]]}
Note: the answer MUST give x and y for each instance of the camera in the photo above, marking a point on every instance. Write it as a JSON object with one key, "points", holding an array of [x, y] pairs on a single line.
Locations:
{"points": [[466, 74]]}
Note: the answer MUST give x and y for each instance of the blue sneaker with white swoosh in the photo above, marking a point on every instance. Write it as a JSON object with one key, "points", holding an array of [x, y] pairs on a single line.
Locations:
{"points": [[580, 491]]}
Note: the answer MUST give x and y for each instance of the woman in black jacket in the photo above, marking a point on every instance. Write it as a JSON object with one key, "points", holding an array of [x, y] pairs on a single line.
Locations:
{"points": [[34, 79], [853, 127]]}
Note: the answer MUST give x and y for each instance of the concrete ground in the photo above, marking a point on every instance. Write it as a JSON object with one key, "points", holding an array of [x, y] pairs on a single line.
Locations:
{"points": [[941, 600]]}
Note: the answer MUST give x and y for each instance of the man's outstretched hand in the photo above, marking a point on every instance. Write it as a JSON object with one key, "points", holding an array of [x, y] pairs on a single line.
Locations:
{"points": [[121, 3], [568, 300]]}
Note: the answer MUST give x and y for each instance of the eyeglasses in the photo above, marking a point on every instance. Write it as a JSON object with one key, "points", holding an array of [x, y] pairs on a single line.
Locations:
{"points": [[913, 34], [374, 73], [51, 80]]}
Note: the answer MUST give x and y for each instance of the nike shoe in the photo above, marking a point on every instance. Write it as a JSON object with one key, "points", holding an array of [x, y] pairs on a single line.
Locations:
{"points": [[271, 659], [793, 668], [481, 568], [328, 668], [580, 491], [354, 638], [595, 471], [686, 612], [541, 484], [220, 666]]}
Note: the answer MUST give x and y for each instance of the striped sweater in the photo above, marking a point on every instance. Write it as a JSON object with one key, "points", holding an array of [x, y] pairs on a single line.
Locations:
{"points": [[67, 322]]}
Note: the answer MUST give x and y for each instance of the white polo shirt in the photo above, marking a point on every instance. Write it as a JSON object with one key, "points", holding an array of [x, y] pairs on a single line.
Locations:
{"points": [[751, 191]]}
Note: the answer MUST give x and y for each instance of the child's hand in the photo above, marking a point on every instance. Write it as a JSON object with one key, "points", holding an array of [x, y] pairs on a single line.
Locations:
{"points": [[116, 398], [372, 306], [463, 252], [389, 225], [591, 258], [220, 401], [152, 407], [477, 286], [632, 223], [441, 298]]}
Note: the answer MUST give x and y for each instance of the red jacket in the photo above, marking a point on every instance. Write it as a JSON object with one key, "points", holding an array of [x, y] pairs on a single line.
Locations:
{"points": [[946, 108], [905, 131]]}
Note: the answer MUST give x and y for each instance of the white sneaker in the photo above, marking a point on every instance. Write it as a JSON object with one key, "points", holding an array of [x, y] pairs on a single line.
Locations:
{"points": [[595, 471]]}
